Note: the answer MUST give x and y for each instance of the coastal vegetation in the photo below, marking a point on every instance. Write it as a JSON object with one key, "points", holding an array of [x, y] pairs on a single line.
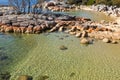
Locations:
{"points": [[90, 2]]}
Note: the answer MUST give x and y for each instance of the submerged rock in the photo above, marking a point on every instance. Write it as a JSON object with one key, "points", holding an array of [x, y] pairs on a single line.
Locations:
{"points": [[72, 74], [63, 47], [25, 77], [84, 41], [5, 76], [2, 57], [45, 77]]}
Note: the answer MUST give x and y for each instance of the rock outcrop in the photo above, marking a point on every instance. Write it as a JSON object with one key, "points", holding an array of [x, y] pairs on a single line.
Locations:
{"points": [[52, 22]]}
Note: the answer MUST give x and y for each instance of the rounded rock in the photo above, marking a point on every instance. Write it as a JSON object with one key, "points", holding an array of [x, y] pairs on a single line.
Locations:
{"points": [[84, 41], [106, 40]]}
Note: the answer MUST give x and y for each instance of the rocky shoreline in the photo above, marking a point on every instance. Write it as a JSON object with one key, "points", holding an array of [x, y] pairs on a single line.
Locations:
{"points": [[111, 11], [82, 28]]}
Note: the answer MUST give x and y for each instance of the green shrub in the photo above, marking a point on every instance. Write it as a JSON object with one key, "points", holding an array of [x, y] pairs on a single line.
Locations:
{"points": [[90, 2]]}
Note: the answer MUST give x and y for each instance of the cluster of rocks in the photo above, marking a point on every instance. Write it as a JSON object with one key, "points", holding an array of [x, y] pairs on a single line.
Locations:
{"points": [[82, 28], [109, 10], [5, 10], [59, 6], [32, 23]]}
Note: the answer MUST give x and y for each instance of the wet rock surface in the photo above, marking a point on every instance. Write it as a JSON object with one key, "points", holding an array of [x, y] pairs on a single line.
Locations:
{"points": [[63, 47], [25, 77], [43, 77]]}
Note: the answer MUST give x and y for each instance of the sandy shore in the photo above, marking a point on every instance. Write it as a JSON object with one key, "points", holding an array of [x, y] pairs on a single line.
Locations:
{"points": [[117, 19]]}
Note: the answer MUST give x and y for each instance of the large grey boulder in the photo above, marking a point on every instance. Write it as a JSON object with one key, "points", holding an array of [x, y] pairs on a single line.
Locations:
{"points": [[24, 24], [24, 17], [12, 17], [20, 18], [32, 22], [6, 22], [16, 24]]}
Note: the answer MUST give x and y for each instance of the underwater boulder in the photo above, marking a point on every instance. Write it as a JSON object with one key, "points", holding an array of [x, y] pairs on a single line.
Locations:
{"points": [[25, 77]]}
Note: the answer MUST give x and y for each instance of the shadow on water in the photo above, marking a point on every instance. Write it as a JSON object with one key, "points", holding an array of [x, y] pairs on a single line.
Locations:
{"points": [[5, 76], [72, 74]]}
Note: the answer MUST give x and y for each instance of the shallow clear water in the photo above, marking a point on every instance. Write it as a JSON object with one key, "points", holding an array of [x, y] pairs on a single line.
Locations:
{"points": [[39, 56], [94, 16]]}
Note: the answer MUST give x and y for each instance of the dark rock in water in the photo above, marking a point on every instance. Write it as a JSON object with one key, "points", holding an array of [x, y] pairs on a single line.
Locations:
{"points": [[61, 38], [91, 41], [87, 19], [64, 18], [46, 34], [25, 77], [1, 48], [72, 74], [5, 76], [63, 47], [66, 36], [3, 57], [45, 77]]}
